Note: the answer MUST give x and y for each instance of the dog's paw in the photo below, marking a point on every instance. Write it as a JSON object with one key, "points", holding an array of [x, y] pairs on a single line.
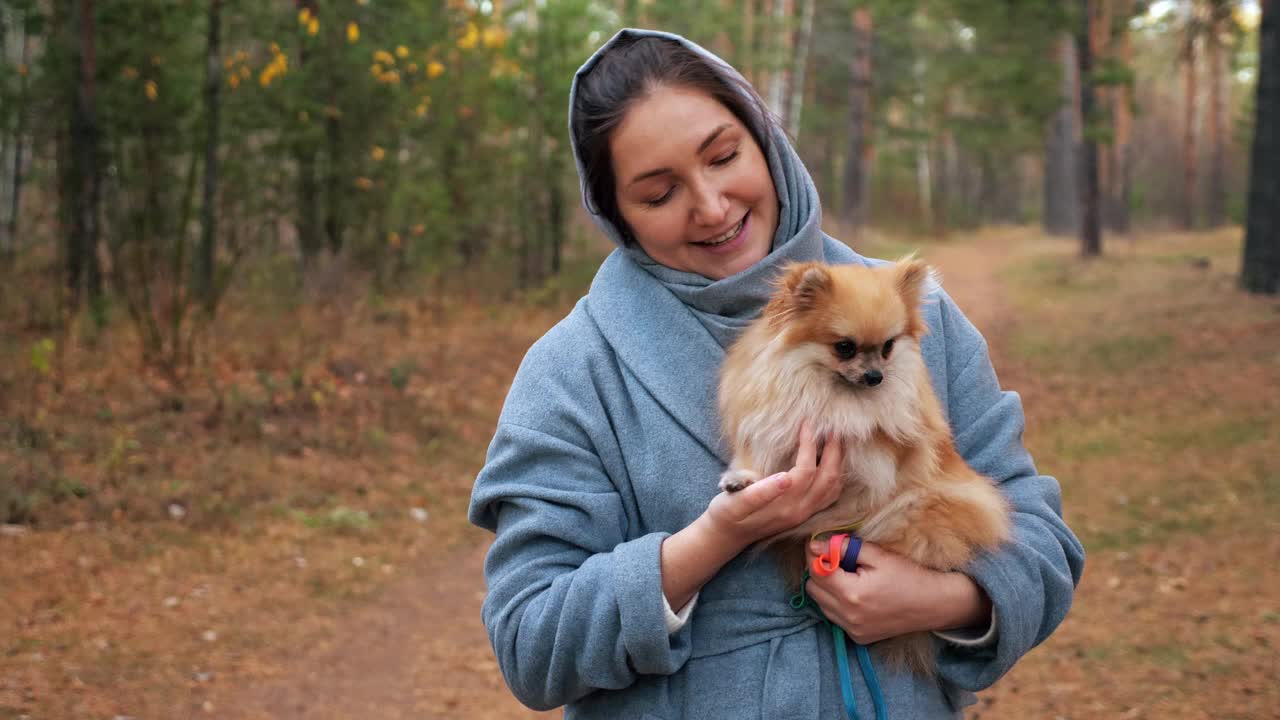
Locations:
{"points": [[735, 480]]}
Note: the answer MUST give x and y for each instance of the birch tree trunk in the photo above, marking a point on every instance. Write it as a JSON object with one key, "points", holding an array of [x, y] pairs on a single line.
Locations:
{"points": [[1061, 183], [780, 82], [804, 40]]}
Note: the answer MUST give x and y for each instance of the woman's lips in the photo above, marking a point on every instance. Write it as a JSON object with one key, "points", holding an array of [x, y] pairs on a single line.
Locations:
{"points": [[732, 244]]}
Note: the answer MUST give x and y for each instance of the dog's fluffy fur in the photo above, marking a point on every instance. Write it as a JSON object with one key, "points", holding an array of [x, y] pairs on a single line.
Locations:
{"points": [[815, 355]]}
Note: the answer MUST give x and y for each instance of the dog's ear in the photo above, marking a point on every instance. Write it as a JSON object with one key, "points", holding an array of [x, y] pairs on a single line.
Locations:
{"points": [[804, 283], [912, 277], [914, 280], [798, 288]]}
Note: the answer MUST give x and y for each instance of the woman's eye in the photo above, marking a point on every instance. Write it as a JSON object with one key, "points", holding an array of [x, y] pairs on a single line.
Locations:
{"points": [[888, 348], [845, 349], [726, 159], [655, 202]]}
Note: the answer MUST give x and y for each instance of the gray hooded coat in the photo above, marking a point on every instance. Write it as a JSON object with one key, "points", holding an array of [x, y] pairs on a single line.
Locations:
{"points": [[609, 442]]}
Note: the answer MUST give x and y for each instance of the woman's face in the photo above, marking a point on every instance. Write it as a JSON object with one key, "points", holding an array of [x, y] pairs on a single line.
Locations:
{"points": [[693, 184]]}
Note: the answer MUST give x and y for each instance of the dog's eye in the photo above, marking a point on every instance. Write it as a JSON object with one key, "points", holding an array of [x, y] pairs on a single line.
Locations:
{"points": [[845, 349], [888, 348]]}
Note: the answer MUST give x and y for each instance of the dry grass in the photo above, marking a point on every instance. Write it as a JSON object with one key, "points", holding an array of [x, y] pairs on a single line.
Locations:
{"points": [[1150, 385], [293, 495]]}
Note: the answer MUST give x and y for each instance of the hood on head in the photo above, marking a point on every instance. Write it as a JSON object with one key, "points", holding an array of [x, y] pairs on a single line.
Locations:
{"points": [[606, 226]]}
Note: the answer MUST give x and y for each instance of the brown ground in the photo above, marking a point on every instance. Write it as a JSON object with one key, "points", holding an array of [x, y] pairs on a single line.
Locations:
{"points": [[1164, 444]]}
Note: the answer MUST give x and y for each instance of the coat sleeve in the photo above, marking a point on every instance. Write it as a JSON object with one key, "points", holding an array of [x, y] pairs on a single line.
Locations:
{"points": [[1032, 578], [574, 602]]}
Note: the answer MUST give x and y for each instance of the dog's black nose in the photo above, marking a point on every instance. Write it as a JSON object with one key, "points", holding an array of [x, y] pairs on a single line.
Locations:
{"points": [[873, 377]]}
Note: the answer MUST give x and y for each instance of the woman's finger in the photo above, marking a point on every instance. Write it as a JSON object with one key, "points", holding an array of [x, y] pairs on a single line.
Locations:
{"points": [[807, 454], [871, 554], [759, 494]]}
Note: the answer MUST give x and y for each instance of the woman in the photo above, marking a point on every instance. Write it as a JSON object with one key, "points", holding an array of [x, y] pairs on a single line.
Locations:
{"points": [[601, 479]]}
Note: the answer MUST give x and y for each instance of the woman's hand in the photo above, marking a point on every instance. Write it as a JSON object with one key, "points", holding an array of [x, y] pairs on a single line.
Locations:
{"points": [[733, 521], [891, 595], [782, 501]]}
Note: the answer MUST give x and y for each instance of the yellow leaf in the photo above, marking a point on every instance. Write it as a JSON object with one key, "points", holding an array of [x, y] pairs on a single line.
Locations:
{"points": [[22, 69], [384, 57], [377, 153], [353, 32], [435, 69], [393, 239], [304, 16], [313, 27], [470, 37], [375, 70], [402, 52], [233, 81], [494, 37], [413, 68], [391, 78], [419, 229], [275, 49], [152, 90], [130, 71], [364, 183], [245, 72]]}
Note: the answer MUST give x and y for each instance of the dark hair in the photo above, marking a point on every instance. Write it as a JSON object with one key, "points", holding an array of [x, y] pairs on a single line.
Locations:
{"points": [[630, 70]]}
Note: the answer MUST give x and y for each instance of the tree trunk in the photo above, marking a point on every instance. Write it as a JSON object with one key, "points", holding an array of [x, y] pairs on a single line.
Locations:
{"points": [[9, 246], [748, 45], [83, 270], [308, 226], [1188, 217], [1090, 228], [855, 166], [1122, 117], [1061, 184], [209, 208], [1261, 271], [1103, 95], [1216, 211], [334, 220], [780, 83], [804, 39]]}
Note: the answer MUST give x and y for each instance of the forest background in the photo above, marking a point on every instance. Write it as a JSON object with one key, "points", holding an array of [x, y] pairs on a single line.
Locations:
{"points": [[266, 269]]}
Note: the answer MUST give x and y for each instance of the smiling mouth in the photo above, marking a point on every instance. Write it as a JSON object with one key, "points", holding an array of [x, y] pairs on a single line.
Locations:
{"points": [[728, 235]]}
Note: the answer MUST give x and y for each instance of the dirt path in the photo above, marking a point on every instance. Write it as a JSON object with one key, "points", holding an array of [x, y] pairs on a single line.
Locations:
{"points": [[420, 650]]}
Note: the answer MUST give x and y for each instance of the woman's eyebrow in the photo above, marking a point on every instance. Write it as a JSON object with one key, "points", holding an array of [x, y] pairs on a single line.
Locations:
{"points": [[711, 137]]}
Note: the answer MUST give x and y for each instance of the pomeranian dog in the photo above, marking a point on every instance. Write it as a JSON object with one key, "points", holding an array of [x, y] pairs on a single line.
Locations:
{"points": [[839, 346]]}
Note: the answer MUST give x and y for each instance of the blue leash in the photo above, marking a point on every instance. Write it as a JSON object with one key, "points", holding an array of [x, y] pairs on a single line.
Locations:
{"points": [[798, 601]]}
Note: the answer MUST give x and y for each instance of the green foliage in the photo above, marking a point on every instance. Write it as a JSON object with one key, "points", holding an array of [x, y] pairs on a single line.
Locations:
{"points": [[340, 518], [42, 353]]}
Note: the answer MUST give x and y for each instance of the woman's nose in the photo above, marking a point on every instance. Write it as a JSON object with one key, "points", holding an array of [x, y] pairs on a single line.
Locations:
{"points": [[711, 206]]}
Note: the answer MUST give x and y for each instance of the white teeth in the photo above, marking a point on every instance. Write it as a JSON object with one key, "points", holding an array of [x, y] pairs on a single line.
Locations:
{"points": [[727, 236]]}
